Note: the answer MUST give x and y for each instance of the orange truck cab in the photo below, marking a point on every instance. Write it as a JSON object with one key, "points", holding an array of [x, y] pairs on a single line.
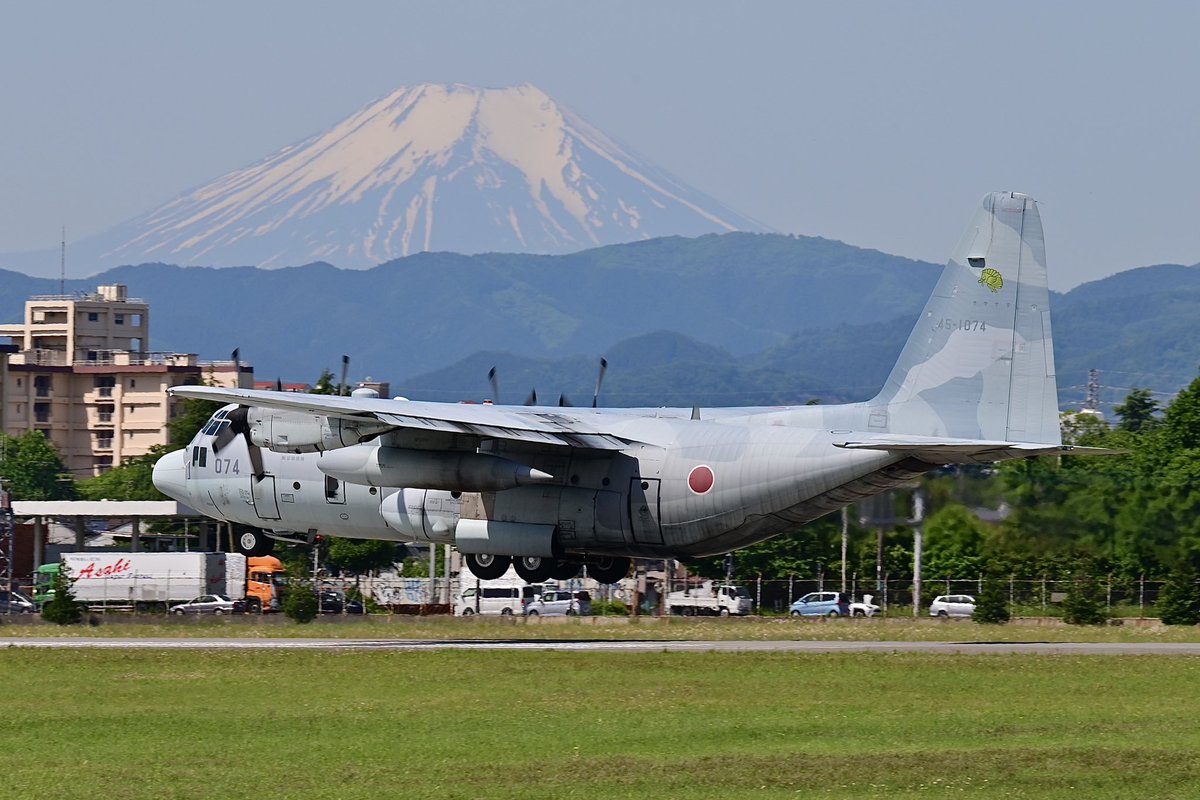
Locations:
{"points": [[264, 576]]}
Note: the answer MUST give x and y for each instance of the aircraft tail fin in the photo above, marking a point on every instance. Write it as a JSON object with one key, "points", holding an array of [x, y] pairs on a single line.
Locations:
{"points": [[980, 362]]}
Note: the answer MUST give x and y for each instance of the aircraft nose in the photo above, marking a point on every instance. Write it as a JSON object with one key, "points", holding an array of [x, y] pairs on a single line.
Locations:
{"points": [[169, 476]]}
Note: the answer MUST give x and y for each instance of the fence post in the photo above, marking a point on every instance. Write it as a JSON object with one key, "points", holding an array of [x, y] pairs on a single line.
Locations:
{"points": [[1142, 595], [1012, 598], [758, 594], [1108, 596], [791, 592], [1043, 594]]}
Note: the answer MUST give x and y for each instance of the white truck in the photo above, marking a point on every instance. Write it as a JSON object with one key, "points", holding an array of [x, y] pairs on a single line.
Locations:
{"points": [[133, 580], [711, 599]]}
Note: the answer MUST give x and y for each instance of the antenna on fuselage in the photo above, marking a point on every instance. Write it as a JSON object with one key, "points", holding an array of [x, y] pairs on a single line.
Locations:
{"points": [[345, 368]]}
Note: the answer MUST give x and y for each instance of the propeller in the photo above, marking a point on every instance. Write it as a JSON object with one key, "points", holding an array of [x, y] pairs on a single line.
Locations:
{"points": [[495, 385], [564, 401], [239, 425], [599, 380], [532, 399]]}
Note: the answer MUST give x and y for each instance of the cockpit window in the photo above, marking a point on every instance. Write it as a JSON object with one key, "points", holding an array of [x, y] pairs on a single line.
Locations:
{"points": [[216, 423]]}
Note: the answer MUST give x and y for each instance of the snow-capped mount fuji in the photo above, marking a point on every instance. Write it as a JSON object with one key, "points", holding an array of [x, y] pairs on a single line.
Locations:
{"points": [[426, 168]]}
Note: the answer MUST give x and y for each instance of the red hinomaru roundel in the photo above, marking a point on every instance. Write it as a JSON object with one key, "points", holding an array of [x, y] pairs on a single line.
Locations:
{"points": [[700, 479]]}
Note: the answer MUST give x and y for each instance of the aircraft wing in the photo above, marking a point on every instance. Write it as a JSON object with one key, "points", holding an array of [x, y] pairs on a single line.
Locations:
{"points": [[968, 451], [570, 427]]}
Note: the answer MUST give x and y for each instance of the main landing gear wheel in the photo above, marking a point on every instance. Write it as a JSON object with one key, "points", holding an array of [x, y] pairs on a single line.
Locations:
{"points": [[565, 570], [608, 569], [252, 542], [534, 569], [486, 566]]}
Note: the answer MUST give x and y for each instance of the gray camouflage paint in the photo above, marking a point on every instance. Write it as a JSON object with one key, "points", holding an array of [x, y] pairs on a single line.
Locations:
{"points": [[978, 365]]}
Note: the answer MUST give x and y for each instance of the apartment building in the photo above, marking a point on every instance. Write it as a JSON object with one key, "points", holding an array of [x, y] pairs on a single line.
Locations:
{"points": [[83, 373]]}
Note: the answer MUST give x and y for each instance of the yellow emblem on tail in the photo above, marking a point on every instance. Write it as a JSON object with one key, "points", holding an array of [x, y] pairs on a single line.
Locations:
{"points": [[992, 279]]}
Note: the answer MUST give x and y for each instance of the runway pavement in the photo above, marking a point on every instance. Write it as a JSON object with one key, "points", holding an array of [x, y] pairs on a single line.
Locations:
{"points": [[613, 646]]}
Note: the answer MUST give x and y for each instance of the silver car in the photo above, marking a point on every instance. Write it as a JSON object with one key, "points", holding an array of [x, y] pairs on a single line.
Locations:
{"points": [[952, 605], [15, 603], [560, 602], [205, 604]]}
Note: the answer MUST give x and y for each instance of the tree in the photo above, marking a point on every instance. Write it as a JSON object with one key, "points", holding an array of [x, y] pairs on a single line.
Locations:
{"points": [[325, 384], [32, 469], [191, 415], [63, 609], [1137, 412], [991, 606], [132, 480], [359, 556], [1179, 601]]}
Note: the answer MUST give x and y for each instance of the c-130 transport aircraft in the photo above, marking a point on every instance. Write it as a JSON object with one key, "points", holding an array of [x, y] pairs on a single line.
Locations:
{"points": [[551, 489]]}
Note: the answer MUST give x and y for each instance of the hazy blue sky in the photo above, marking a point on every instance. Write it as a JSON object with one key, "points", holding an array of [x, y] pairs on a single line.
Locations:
{"points": [[879, 124]]}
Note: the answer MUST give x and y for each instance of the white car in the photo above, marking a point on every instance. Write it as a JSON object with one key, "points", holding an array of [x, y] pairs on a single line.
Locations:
{"points": [[205, 604], [865, 608], [952, 605]]}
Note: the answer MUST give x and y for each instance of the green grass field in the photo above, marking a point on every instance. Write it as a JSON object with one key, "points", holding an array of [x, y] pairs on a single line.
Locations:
{"points": [[119, 725], [673, 628]]}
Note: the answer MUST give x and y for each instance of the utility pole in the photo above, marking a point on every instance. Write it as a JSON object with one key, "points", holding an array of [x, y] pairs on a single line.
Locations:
{"points": [[845, 540], [918, 521]]}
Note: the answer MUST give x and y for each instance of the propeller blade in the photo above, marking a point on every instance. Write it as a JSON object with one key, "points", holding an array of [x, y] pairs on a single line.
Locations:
{"points": [[278, 385], [563, 401], [255, 460], [599, 380], [226, 436], [495, 385], [239, 425], [532, 399]]}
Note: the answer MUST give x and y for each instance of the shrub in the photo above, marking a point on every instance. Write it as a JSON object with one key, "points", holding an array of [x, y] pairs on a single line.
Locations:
{"points": [[63, 609], [1084, 604], [1179, 601], [991, 607], [300, 602]]}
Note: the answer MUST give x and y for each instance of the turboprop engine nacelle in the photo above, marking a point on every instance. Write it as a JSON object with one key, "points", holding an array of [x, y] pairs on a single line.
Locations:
{"points": [[428, 469], [296, 432], [423, 515]]}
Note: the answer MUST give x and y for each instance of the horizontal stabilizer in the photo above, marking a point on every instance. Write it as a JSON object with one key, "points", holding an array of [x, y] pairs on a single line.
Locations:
{"points": [[933, 450]]}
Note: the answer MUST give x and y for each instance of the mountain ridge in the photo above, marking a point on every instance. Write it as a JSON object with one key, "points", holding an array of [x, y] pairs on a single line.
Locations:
{"points": [[767, 319]]}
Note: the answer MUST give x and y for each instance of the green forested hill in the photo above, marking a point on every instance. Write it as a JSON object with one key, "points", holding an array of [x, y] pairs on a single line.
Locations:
{"points": [[715, 320]]}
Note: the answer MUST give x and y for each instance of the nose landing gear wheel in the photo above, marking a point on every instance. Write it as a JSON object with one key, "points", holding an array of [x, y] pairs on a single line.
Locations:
{"points": [[253, 543]]}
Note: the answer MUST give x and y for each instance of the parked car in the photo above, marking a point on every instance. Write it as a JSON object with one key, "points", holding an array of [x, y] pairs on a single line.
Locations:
{"points": [[821, 604], [331, 601], [502, 600], [560, 602], [15, 603], [864, 608], [952, 605], [207, 604]]}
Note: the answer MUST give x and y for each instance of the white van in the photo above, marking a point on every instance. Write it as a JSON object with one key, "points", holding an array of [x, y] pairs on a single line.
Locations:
{"points": [[502, 600]]}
